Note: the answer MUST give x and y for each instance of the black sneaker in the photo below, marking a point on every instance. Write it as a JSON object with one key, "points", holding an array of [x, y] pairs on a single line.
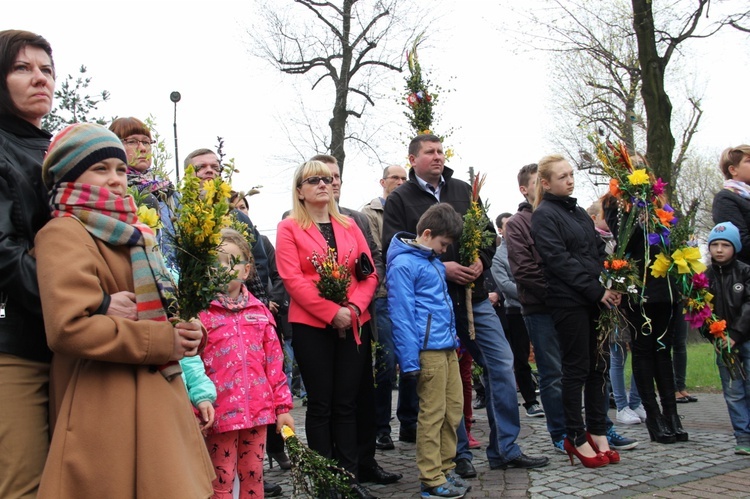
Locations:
{"points": [[271, 489], [464, 468]]}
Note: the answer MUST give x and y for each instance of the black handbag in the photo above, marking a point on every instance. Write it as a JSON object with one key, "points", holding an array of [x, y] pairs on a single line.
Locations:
{"points": [[363, 267]]}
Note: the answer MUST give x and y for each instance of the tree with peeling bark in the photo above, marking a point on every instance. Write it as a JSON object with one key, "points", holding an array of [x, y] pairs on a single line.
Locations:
{"points": [[351, 43]]}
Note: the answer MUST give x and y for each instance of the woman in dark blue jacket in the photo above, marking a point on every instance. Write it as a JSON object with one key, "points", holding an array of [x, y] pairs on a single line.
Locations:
{"points": [[573, 255]]}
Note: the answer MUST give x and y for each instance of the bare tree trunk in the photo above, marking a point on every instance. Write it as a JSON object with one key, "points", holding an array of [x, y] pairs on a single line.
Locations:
{"points": [[659, 139]]}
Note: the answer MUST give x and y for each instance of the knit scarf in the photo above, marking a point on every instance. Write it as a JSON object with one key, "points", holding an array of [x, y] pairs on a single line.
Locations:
{"points": [[112, 219], [239, 303], [738, 187]]}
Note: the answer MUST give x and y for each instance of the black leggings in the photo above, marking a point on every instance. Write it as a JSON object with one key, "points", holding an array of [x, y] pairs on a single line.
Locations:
{"points": [[652, 355]]}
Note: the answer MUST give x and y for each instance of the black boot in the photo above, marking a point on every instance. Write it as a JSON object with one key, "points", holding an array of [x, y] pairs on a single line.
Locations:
{"points": [[659, 430], [674, 423]]}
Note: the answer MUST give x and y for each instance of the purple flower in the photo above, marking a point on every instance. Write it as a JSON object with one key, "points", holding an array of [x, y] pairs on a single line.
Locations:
{"points": [[654, 239], [668, 208]]}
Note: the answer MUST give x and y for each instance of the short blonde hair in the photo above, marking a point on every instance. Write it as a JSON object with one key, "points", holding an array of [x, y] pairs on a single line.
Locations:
{"points": [[545, 172], [299, 210]]}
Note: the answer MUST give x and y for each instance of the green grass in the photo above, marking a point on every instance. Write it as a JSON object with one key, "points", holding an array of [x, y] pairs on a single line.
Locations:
{"points": [[702, 372]]}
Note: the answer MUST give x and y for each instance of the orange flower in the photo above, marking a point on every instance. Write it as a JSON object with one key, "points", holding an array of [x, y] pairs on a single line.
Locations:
{"points": [[717, 328], [619, 264], [665, 217], [614, 187], [606, 264], [335, 274]]}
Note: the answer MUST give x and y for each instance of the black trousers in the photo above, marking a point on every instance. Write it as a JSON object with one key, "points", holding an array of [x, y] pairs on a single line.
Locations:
{"points": [[366, 404], [518, 337], [331, 369], [584, 367], [652, 355]]}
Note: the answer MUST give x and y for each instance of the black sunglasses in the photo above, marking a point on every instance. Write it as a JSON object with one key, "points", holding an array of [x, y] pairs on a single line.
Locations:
{"points": [[316, 180]]}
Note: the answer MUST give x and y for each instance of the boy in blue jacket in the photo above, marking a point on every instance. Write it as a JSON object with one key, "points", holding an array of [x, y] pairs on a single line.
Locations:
{"points": [[729, 281], [425, 339]]}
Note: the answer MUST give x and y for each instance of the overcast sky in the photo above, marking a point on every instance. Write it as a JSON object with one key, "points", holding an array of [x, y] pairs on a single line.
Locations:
{"points": [[499, 105]]}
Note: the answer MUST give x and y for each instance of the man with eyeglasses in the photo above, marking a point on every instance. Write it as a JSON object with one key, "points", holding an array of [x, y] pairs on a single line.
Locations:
{"points": [[207, 166], [385, 358]]}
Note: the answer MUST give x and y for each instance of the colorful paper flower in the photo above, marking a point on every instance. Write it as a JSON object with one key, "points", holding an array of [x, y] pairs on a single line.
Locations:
{"points": [[688, 260], [700, 281], [638, 177], [614, 187], [697, 318], [659, 187], [717, 328], [661, 266]]}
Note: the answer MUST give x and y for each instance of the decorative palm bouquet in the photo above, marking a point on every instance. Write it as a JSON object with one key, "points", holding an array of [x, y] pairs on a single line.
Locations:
{"points": [[474, 237], [419, 101], [202, 213], [641, 207], [313, 474]]}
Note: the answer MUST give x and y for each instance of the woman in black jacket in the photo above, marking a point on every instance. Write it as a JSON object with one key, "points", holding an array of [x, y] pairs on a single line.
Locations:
{"points": [[573, 255], [27, 84]]}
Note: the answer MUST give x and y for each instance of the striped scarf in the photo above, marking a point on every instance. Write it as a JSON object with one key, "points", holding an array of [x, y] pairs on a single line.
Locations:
{"points": [[113, 219]]}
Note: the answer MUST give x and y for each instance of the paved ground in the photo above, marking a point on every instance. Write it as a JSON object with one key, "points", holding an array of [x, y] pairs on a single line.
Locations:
{"points": [[706, 466]]}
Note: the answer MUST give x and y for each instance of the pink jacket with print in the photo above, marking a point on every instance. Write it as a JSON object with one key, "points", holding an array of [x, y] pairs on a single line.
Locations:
{"points": [[243, 358]]}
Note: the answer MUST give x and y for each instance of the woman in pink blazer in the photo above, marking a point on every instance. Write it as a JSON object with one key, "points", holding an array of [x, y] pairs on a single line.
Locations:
{"points": [[324, 341]]}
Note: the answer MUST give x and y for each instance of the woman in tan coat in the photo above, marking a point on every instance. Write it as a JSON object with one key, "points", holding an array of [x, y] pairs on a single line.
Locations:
{"points": [[123, 425]]}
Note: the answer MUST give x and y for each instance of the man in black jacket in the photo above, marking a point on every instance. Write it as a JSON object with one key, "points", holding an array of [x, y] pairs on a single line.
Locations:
{"points": [[431, 182]]}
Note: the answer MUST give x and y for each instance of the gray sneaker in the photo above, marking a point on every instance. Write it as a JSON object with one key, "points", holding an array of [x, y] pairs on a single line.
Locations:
{"points": [[444, 491], [457, 481], [535, 411]]}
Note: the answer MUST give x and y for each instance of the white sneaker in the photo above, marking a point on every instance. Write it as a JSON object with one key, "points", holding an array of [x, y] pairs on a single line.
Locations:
{"points": [[627, 416], [640, 412]]}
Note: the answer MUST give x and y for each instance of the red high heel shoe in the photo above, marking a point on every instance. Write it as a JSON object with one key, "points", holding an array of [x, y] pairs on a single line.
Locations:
{"points": [[590, 462], [612, 455]]}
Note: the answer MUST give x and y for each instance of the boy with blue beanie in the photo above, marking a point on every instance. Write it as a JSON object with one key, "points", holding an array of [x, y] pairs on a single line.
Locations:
{"points": [[729, 281]]}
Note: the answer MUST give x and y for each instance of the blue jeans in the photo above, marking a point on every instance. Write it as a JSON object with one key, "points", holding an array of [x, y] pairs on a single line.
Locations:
{"points": [[492, 351], [618, 355], [385, 367], [737, 397], [543, 336], [462, 443]]}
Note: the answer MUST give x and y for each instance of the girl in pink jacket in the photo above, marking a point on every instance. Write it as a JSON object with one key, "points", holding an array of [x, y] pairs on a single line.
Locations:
{"points": [[244, 359]]}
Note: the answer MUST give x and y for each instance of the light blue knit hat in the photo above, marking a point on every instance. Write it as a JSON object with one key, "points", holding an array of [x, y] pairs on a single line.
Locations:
{"points": [[726, 231]]}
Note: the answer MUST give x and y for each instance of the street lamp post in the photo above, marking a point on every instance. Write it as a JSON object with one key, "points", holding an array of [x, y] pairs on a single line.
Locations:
{"points": [[175, 97]]}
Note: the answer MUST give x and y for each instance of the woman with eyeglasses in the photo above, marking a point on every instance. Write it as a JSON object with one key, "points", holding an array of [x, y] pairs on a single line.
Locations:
{"points": [[325, 333], [159, 193], [27, 85]]}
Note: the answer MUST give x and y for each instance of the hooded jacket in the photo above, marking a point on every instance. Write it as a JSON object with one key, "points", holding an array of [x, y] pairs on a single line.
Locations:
{"points": [[418, 301], [244, 360], [730, 285], [23, 211], [525, 262], [572, 253]]}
